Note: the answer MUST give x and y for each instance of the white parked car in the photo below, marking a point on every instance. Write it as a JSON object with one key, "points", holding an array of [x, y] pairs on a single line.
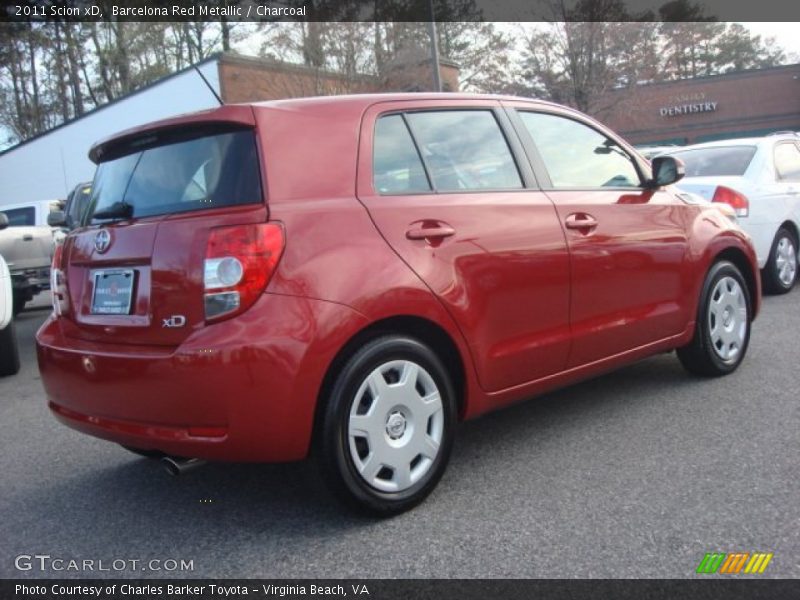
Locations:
{"points": [[9, 353], [760, 179], [650, 152]]}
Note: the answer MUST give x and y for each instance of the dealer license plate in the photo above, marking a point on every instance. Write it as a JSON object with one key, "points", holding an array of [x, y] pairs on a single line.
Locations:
{"points": [[113, 291]]}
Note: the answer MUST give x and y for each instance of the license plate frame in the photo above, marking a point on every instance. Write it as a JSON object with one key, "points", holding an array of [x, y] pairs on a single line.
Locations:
{"points": [[112, 306]]}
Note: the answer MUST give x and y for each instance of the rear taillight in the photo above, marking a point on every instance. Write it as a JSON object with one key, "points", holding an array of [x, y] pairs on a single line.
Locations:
{"points": [[58, 281], [239, 263], [738, 202]]}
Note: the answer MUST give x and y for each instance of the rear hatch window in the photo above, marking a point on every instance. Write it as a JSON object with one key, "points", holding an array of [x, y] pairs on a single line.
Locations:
{"points": [[134, 274], [167, 173], [729, 161]]}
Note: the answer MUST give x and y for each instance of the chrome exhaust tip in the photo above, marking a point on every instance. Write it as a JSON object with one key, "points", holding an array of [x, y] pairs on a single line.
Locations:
{"points": [[175, 465]]}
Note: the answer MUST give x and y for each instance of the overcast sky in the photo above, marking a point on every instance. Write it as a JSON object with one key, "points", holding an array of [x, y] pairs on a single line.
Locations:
{"points": [[786, 34]]}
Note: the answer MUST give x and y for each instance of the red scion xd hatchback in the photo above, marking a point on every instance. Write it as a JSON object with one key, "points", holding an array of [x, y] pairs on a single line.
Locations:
{"points": [[353, 275]]}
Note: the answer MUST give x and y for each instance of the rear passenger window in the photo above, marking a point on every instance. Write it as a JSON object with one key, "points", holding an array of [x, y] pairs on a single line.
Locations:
{"points": [[397, 168], [21, 217], [464, 150]]}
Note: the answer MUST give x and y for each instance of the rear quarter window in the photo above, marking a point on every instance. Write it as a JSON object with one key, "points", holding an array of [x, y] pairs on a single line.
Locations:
{"points": [[397, 167]]}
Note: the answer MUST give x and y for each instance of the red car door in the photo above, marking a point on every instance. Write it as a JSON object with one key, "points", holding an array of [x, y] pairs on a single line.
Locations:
{"points": [[628, 244], [440, 181]]}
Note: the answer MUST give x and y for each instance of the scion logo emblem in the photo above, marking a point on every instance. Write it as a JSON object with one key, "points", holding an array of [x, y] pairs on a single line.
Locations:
{"points": [[174, 321], [102, 240]]}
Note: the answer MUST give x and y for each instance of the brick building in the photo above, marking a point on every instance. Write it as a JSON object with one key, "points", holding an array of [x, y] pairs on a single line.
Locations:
{"points": [[223, 78], [740, 104], [251, 79]]}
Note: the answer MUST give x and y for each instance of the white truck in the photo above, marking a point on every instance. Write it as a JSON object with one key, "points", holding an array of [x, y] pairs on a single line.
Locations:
{"points": [[9, 353], [28, 252]]}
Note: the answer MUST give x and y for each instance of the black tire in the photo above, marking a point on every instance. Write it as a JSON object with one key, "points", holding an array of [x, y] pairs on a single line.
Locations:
{"points": [[145, 453], [9, 351], [338, 452], [705, 354], [17, 305], [774, 283]]}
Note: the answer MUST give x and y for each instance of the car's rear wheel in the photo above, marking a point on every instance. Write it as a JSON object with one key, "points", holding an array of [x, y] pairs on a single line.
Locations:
{"points": [[387, 428], [780, 272], [722, 331], [9, 351]]}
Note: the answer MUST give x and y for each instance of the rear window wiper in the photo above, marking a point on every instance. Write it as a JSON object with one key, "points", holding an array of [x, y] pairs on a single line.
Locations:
{"points": [[118, 210]]}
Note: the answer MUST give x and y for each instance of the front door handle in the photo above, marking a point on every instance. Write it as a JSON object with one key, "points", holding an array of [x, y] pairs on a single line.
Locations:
{"points": [[430, 233], [580, 221]]}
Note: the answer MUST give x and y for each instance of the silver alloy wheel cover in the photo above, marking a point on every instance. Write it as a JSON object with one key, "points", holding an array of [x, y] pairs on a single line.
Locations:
{"points": [[786, 261], [727, 318], [395, 429]]}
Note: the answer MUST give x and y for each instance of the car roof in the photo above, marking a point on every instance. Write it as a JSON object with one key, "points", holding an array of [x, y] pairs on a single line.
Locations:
{"points": [[244, 113], [366, 100]]}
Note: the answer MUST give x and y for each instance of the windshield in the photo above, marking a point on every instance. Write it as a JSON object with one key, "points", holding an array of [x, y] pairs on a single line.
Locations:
{"points": [[719, 161], [205, 172]]}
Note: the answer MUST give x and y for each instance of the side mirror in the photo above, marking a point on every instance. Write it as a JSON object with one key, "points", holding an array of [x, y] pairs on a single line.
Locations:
{"points": [[57, 218], [3, 220], [666, 170]]}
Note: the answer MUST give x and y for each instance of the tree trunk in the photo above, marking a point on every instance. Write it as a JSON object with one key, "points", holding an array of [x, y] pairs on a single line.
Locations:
{"points": [[74, 77], [121, 57], [102, 64], [58, 49], [36, 109], [226, 34]]}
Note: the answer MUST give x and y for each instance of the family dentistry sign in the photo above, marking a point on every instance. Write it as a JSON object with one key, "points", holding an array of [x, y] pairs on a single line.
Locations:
{"points": [[688, 104]]}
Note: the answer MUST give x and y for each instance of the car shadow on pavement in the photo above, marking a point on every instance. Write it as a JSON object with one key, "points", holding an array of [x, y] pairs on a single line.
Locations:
{"points": [[133, 503]]}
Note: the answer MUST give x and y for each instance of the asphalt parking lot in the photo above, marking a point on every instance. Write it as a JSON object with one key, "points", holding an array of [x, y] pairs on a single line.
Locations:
{"points": [[634, 474]]}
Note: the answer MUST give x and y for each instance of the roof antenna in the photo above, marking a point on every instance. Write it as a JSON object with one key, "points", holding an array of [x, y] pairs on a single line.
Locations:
{"points": [[211, 87]]}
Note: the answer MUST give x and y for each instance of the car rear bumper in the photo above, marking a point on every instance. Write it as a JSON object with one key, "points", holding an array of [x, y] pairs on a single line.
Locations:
{"points": [[240, 390]]}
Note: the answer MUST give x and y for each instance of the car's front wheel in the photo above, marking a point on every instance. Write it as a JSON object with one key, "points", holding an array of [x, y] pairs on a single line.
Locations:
{"points": [[722, 331], [780, 273], [387, 428]]}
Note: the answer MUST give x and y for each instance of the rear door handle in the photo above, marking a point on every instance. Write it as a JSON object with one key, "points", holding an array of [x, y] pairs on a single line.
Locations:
{"points": [[427, 233], [580, 221]]}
